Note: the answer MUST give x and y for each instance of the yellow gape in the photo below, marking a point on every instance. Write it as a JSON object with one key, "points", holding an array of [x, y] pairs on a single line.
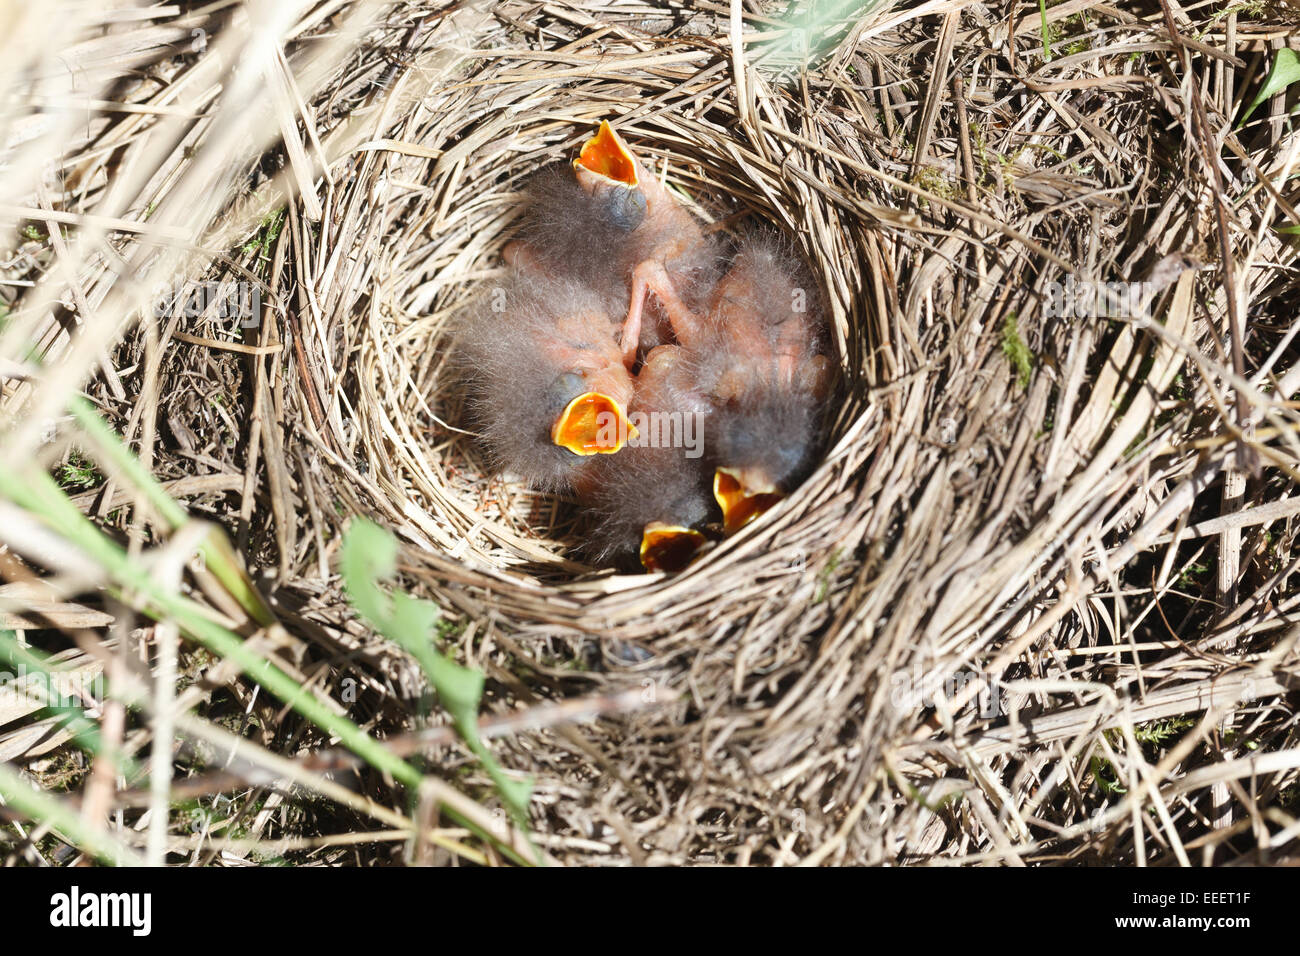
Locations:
{"points": [[742, 498], [592, 424], [668, 547]]}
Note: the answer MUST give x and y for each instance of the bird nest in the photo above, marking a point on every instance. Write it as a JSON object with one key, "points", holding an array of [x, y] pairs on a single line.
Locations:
{"points": [[983, 628], [429, 237]]}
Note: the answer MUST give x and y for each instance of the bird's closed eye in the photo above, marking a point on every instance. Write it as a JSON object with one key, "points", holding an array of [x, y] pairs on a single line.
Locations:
{"points": [[626, 208]]}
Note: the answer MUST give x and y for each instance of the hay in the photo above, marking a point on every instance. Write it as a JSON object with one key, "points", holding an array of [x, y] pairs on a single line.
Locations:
{"points": [[982, 629]]}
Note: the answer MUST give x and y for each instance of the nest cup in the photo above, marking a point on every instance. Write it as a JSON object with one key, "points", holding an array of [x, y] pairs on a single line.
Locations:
{"points": [[485, 541]]}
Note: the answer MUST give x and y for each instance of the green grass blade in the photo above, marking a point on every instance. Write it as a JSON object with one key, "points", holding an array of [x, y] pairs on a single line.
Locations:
{"points": [[35, 805], [215, 547], [1044, 29], [369, 556], [40, 495], [85, 731]]}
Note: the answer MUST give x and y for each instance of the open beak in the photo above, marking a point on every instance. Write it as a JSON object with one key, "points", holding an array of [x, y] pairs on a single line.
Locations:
{"points": [[606, 159], [607, 169], [592, 424], [666, 547], [743, 496]]}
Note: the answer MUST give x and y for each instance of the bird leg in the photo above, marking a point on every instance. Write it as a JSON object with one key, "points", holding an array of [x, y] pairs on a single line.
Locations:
{"points": [[650, 276]]}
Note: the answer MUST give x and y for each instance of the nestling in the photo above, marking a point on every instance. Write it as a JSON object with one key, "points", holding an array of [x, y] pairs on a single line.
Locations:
{"points": [[760, 356], [651, 502], [544, 374], [610, 224]]}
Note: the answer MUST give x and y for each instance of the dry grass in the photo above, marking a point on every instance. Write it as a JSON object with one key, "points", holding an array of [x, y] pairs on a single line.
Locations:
{"points": [[1035, 606]]}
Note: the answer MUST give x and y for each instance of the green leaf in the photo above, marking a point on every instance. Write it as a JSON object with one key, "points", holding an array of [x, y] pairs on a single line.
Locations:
{"points": [[369, 556], [1285, 71]]}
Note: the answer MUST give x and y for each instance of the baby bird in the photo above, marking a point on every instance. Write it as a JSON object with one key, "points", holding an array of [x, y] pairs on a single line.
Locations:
{"points": [[568, 231], [617, 228], [759, 355], [549, 355], [651, 502], [547, 384]]}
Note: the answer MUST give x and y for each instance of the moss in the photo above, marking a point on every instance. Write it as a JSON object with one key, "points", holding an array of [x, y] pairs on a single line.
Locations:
{"points": [[825, 576], [1161, 732], [1190, 574], [1107, 778], [934, 180], [267, 233], [78, 473], [1016, 351]]}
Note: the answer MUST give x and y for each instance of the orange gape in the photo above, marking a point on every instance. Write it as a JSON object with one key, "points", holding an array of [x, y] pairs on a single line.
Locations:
{"points": [[592, 424], [668, 547], [605, 155], [742, 499]]}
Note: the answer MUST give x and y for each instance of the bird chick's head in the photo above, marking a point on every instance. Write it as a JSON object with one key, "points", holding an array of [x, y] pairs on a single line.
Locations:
{"points": [[546, 386], [762, 445], [646, 506], [609, 174]]}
